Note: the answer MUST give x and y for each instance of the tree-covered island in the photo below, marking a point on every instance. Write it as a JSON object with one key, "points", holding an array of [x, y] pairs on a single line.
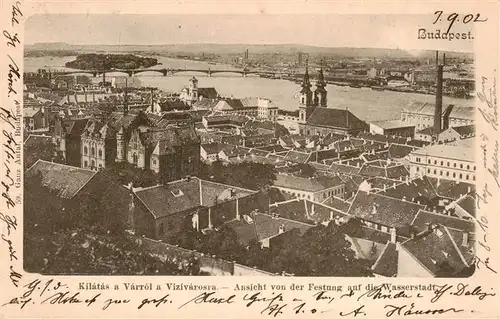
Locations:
{"points": [[93, 61]]}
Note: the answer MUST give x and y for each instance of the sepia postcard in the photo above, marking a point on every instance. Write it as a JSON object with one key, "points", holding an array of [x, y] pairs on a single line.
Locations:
{"points": [[259, 159]]}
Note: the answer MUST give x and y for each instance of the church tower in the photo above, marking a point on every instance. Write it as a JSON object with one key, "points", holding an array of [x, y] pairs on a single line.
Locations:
{"points": [[120, 145], [306, 98], [193, 89], [320, 92]]}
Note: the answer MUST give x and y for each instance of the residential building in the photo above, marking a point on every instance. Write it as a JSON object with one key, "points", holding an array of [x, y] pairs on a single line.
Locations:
{"points": [[67, 137], [34, 118], [444, 162], [191, 94], [316, 189], [392, 128], [162, 210]]}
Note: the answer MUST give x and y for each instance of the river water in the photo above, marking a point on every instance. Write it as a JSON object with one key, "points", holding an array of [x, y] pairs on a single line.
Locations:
{"points": [[365, 103]]}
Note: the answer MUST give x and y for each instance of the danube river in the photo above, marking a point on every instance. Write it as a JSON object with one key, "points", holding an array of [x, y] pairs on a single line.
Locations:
{"points": [[365, 103]]}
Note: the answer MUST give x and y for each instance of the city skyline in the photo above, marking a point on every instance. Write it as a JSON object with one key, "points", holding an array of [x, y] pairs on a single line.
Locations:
{"points": [[370, 31]]}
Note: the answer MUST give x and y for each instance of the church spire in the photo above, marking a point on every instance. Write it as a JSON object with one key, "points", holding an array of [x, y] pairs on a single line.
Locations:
{"points": [[320, 91]]}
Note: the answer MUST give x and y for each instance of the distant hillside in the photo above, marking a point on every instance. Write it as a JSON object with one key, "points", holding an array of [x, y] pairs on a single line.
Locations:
{"points": [[240, 48]]}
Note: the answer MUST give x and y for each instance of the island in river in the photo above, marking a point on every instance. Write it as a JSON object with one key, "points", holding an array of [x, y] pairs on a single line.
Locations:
{"points": [[94, 61]]}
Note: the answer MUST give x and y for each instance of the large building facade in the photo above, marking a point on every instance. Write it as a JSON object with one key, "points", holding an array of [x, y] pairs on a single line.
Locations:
{"points": [[442, 161], [421, 115]]}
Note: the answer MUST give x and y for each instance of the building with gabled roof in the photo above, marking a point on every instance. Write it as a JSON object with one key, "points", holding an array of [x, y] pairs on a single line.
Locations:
{"points": [[67, 137], [163, 210], [315, 189]]}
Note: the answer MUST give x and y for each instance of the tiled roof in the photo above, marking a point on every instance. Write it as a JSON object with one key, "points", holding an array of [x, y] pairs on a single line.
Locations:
{"points": [[337, 118], [212, 190], [344, 169], [451, 189], [468, 204], [387, 262], [173, 104], [338, 203], [264, 226], [161, 201], [30, 111], [419, 189], [383, 209], [424, 218], [446, 151], [399, 151], [466, 130], [436, 248], [64, 180], [33, 139], [297, 157], [208, 93], [229, 105], [205, 104], [307, 184], [389, 124], [215, 148]]}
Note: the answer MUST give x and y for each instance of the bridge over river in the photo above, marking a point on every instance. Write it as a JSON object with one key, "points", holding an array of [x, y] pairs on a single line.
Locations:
{"points": [[168, 71]]}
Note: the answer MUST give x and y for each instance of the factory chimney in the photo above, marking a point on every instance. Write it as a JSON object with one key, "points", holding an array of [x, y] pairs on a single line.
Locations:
{"points": [[152, 101], [125, 99], [439, 95]]}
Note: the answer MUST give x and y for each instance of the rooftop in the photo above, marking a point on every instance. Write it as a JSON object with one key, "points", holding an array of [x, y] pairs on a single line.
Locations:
{"points": [[307, 184], [446, 151], [66, 181]]}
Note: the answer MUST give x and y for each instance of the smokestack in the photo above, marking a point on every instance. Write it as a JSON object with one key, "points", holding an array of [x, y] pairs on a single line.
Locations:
{"points": [[125, 102], [439, 97], [152, 101]]}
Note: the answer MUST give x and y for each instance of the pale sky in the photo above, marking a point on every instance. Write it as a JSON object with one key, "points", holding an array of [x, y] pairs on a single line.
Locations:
{"points": [[379, 31]]}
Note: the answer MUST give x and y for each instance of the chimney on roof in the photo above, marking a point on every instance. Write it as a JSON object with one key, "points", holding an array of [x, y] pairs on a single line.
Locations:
{"points": [[393, 235], [403, 199], [407, 180], [468, 189], [465, 239], [374, 209], [385, 187], [281, 229]]}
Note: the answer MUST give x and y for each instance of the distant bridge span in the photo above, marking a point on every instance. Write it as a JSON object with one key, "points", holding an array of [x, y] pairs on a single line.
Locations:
{"points": [[164, 72]]}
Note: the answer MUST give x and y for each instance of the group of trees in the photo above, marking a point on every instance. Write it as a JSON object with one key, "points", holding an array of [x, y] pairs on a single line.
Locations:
{"points": [[320, 251], [84, 236], [44, 150], [94, 61], [248, 175]]}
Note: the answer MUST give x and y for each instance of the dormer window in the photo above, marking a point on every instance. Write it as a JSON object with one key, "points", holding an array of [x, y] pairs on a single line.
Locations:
{"points": [[177, 192]]}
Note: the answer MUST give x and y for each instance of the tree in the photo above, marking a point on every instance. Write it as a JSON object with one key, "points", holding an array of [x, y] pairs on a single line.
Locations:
{"points": [[248, 175], [43, 150], [321, 251], [125, 173]]}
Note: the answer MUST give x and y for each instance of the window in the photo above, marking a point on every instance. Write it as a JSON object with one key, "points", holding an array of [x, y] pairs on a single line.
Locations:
{"points": [[93, 163], [92, 151], [454, 164], [85, 150], [447, 173], [441, 173], [428, 170], [85, 163], [442, 163], [434, 172], [418, 168], [474, 167], [460, 176], [428, 161], [100, 153], [468, 166], [154, 162], [461, 165], [448, 164], [473, 177], [467, 177], [454, 175], [435, 162]]}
